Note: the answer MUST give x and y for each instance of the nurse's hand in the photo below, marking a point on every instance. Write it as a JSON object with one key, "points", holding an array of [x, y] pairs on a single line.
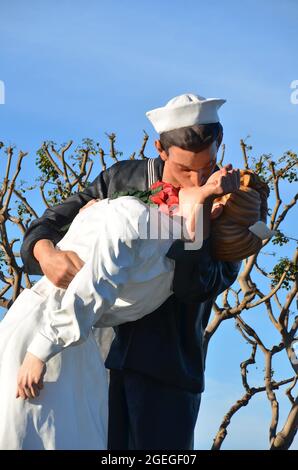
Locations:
{"points": [[30, 377], [221, 182]]}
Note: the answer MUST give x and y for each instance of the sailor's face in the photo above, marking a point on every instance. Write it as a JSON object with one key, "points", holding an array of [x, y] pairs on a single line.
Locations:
{"points": [[186, 169]]}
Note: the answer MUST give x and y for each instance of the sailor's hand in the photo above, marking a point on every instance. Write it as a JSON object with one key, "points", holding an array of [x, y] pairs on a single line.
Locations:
{"points": [[59, 266]]}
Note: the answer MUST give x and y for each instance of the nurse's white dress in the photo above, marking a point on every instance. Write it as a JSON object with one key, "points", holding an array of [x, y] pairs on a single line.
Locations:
{"points": [[125, 276]]}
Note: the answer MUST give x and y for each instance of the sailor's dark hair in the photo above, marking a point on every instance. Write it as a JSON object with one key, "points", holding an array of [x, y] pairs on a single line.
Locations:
{"points": [[193, 138]]}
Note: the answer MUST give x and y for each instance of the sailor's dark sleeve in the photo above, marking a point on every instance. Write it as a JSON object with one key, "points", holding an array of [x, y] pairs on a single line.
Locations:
{"points": [[54, 222], [198, 276]]}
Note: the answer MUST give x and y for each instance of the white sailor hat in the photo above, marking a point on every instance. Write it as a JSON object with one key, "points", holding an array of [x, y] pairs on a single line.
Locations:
{"points": [[183, 111]]}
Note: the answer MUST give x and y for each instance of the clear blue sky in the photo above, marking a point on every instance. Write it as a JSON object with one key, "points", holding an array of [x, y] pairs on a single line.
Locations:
{"points": [[75, 69]]}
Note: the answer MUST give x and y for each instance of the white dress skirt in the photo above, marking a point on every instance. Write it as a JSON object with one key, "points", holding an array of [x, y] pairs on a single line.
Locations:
{"points": [[126, 275]]}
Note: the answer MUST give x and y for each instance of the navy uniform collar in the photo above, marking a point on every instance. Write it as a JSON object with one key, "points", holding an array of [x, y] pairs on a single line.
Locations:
{"points": [[159, 166], [154, 170]]}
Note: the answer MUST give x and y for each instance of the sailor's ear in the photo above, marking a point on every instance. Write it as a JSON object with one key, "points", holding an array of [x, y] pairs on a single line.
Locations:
{"points": [[162, 153]]}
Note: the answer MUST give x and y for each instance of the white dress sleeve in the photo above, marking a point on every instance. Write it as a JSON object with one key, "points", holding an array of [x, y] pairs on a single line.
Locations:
{"points": [[92, 291]]}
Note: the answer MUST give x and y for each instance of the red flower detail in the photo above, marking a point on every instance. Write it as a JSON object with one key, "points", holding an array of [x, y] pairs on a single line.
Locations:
{"points": [[168, 195], [156, 185], [157, 199], [172, 200]]}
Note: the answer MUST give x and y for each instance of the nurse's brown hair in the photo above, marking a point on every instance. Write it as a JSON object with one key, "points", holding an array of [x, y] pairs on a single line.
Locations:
{"points": [[231, 239]]}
